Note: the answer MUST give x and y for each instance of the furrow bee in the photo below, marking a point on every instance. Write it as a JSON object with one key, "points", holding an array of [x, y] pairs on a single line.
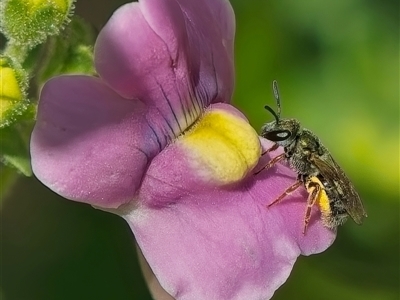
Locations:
{"points": [[326, 183]]}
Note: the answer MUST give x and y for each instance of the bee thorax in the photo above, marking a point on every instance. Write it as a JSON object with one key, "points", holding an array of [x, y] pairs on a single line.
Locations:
{"points": [[301, 166]]}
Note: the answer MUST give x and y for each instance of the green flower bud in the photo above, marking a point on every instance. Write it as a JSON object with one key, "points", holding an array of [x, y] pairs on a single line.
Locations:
{"points": [[13, 84], [28, 22]]}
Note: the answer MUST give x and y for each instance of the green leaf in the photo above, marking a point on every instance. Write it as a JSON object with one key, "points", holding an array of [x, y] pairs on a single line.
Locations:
{"points": [[14, 150]]}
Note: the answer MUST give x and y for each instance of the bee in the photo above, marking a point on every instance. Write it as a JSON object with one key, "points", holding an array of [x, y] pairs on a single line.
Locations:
{"points": [[326, 183]]}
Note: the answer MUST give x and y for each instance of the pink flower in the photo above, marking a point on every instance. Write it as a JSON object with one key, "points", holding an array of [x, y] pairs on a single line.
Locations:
{"points": [[155, 140]]}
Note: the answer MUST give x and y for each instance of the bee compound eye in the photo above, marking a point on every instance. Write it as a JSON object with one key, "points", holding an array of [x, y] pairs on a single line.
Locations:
{"points": [[278, 135]]}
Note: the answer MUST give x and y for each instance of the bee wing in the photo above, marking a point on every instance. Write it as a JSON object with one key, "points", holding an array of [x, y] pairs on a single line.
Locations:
{"points": [[332, 172]]}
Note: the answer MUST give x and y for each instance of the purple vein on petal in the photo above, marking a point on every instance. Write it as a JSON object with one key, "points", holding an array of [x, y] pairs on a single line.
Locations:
{"points": [[160, 147], [166, 133], [185, 110], [196, 105], [202, 92], [170, 107]]}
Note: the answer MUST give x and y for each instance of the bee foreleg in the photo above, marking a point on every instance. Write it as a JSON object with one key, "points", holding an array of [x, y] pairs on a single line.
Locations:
{"points": [[273, 148], [272, 162], [288, 191], [312, 199]]}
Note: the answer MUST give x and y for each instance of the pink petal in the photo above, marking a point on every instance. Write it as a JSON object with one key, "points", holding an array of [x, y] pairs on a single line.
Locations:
{"points": [[205, 242], [89, 144], [174, 56], [203, 33]]}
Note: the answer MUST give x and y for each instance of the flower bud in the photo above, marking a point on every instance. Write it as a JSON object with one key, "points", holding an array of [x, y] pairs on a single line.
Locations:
{"points": [[29, 22], [12, 92]]}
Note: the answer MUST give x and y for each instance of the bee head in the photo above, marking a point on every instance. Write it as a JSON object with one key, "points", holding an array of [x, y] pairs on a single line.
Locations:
{"points": [[281, 131]]}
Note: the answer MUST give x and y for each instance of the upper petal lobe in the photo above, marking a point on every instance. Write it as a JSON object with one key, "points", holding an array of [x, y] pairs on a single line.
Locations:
{"points": [[89, 144], [173, 55]]}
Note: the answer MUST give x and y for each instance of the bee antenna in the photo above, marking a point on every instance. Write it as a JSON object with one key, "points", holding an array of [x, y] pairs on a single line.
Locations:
{"points": [[277, 98], [272, 112]]}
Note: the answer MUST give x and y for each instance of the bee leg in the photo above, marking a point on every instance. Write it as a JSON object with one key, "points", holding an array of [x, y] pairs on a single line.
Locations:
{"points": [[271, 162], [315, 189], [288, 191], [273, 148]]}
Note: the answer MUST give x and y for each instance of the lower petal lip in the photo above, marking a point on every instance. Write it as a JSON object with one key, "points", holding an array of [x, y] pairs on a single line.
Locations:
{"points": [[207, 242]]}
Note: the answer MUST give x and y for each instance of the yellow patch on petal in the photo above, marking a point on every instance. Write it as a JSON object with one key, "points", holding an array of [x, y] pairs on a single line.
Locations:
{"points": [[222, 146]]}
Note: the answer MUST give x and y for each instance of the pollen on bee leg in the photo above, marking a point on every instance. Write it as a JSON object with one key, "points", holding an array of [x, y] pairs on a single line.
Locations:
{"points": [[317, 195], [314, 189]]}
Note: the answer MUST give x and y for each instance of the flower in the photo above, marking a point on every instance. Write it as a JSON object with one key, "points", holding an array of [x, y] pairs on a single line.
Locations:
{"points": [[155, 140]]}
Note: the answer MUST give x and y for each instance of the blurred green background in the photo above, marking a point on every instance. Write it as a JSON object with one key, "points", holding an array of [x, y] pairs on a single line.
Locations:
{"points": [[337, 64]]}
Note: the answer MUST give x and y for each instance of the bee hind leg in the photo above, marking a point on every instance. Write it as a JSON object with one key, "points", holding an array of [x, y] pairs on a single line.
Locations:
{"points": [[314, 193]]}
